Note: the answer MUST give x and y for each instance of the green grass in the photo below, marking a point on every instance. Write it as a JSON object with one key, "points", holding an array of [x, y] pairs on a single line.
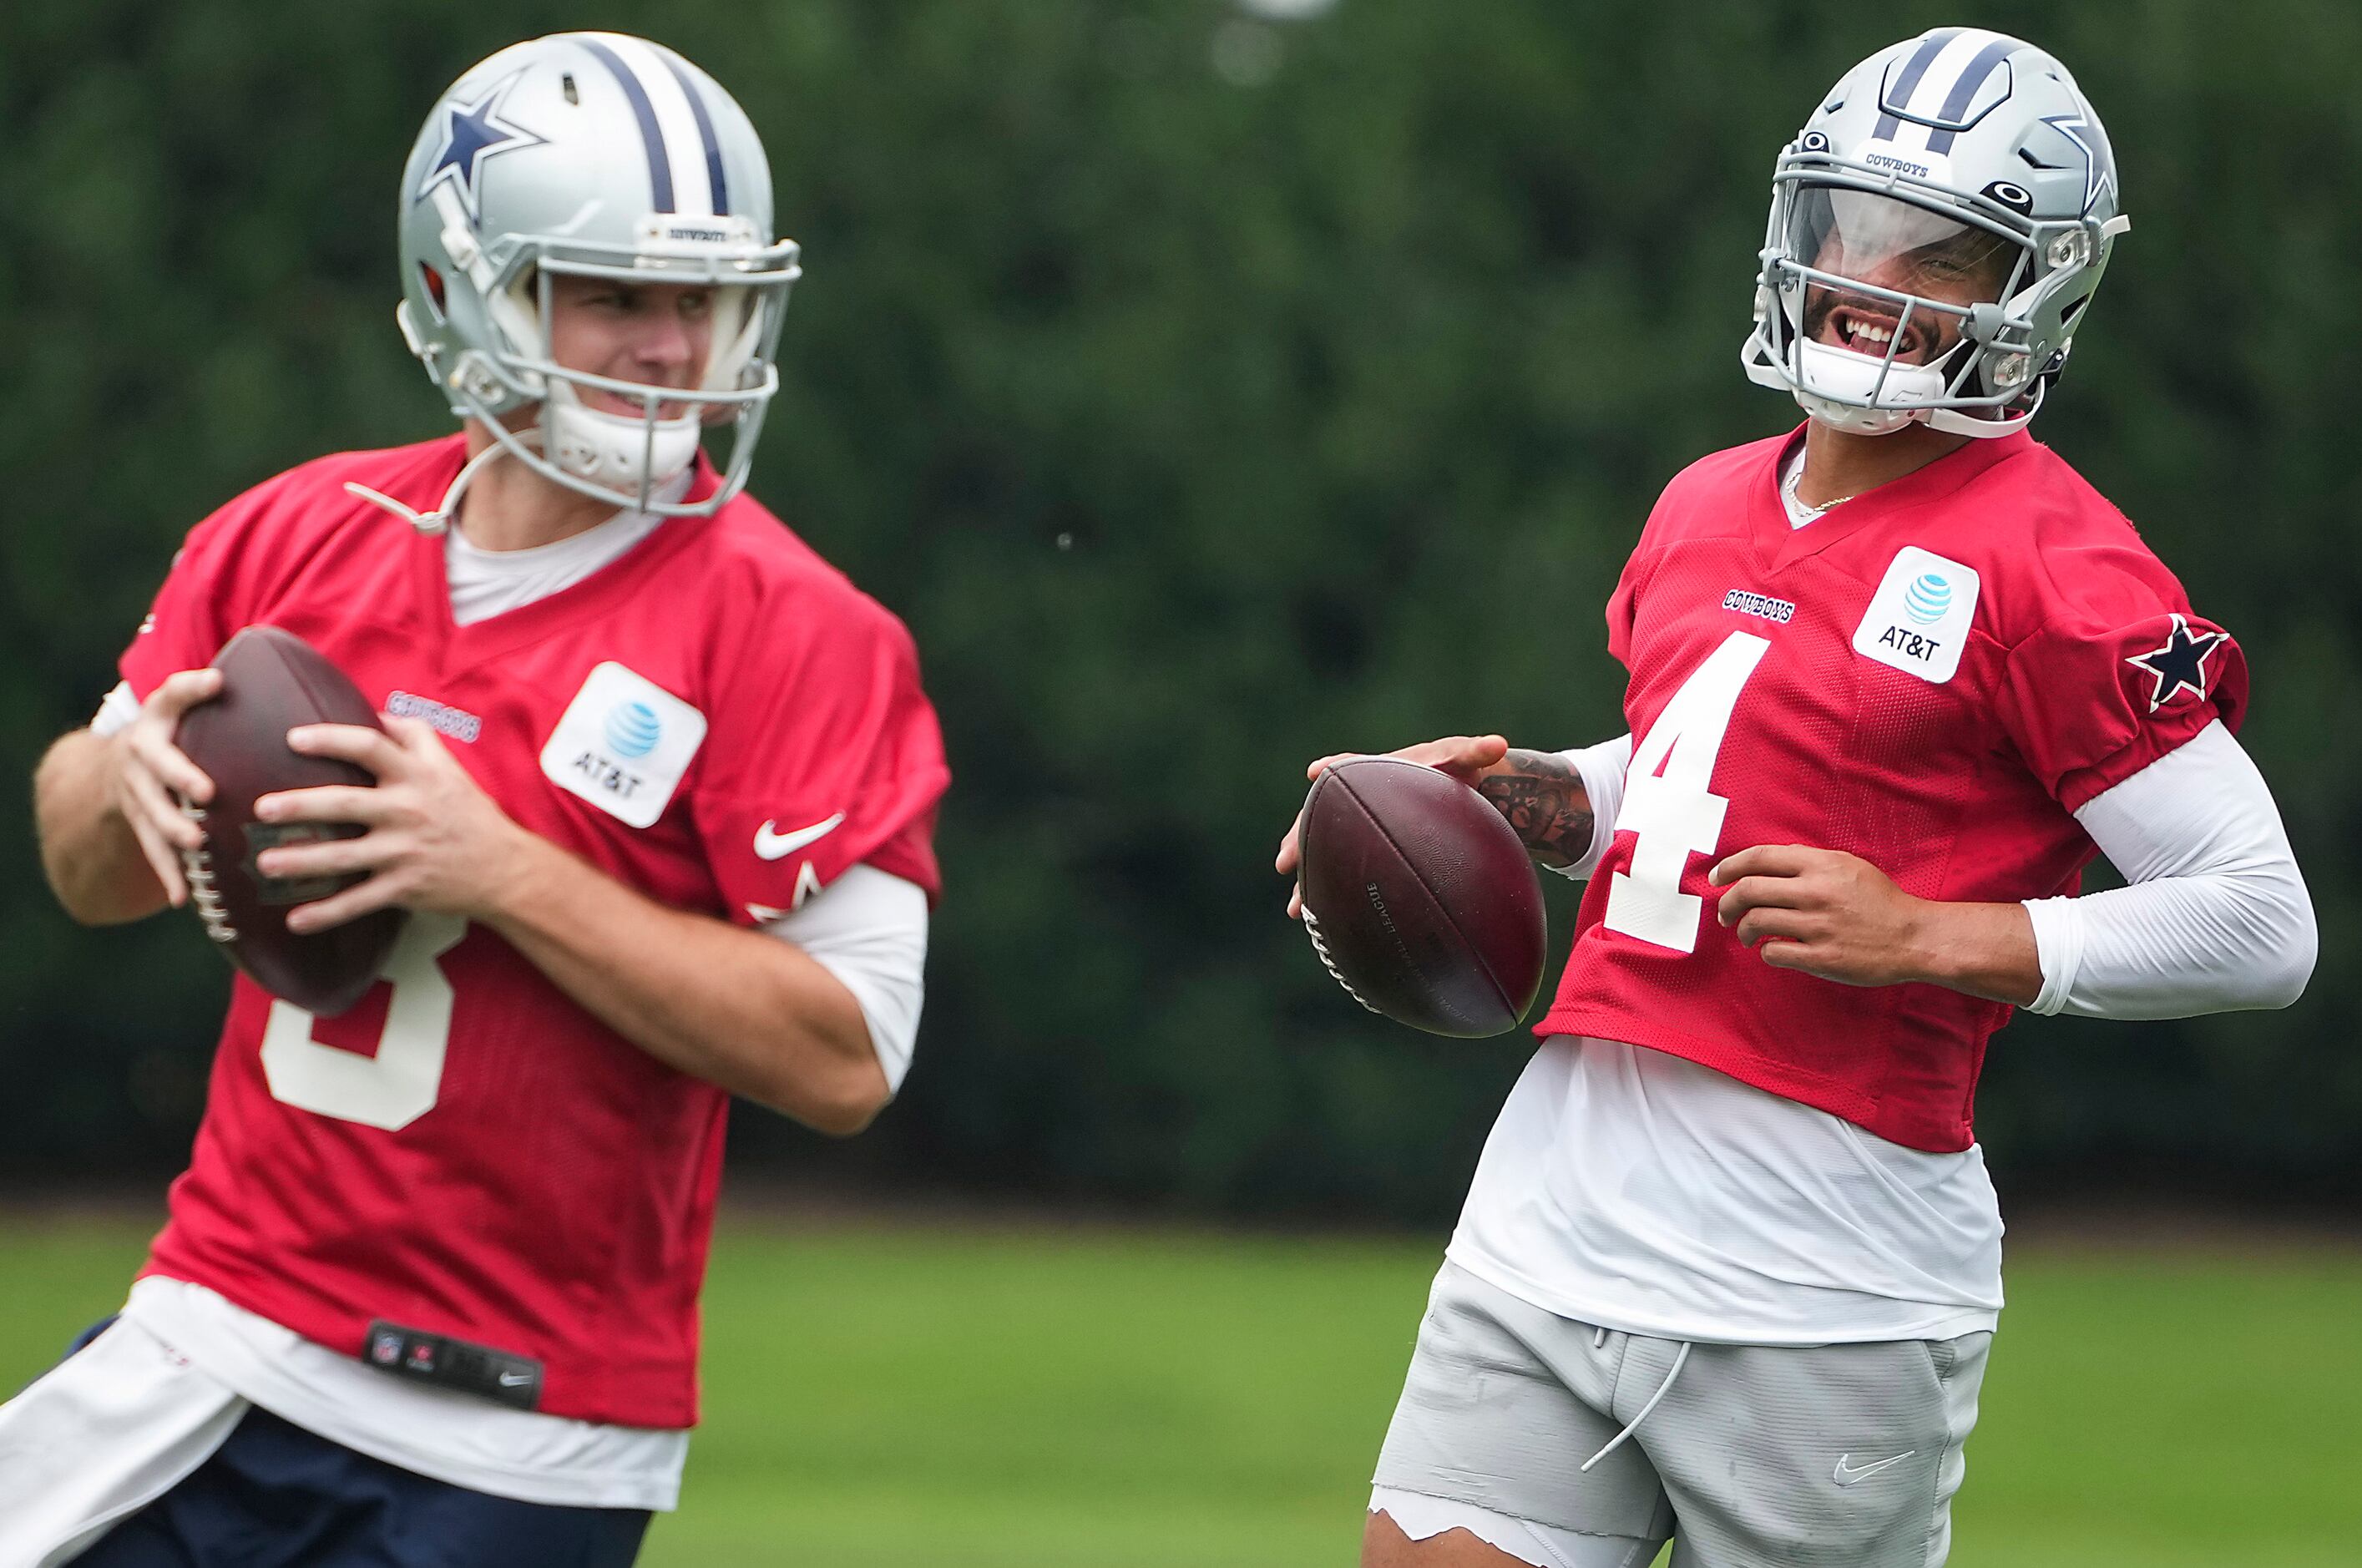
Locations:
{"points": [[999, 1395]]}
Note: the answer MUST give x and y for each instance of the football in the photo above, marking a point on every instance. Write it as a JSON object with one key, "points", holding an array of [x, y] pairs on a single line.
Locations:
{"points": [[1419, 898], [271, 682]]}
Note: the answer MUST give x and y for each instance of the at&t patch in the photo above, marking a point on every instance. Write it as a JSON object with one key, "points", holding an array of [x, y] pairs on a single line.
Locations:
{"points": [[622, 745], [1918, 621]]}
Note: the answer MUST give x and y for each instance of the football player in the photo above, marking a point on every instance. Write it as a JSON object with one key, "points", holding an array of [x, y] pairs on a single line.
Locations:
{"points": [[656, 788], [1730, 1264]]}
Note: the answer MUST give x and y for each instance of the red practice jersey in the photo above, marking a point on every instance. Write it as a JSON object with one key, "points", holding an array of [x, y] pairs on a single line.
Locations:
{"points": [[719, 720], [1932, 677]]}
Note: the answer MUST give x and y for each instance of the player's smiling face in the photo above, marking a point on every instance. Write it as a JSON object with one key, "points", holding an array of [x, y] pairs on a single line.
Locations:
{"points": [[1890, 244], [656, 334]]}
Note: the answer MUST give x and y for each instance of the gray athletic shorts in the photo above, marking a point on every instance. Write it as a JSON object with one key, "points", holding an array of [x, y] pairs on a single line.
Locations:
{"points": [[1837, 1456]]}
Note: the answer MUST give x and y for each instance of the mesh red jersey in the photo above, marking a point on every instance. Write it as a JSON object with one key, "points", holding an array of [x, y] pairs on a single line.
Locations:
{"points": [[717, 719], [1932, 677]]}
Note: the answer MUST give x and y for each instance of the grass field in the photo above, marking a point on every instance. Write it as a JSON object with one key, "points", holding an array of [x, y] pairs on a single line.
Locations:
{"points": [[998, 1395]]}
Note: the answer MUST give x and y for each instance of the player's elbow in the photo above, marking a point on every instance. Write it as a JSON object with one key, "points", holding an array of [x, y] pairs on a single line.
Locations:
{"points": [[2276, 942], [2284, 974], [841, 1098]]}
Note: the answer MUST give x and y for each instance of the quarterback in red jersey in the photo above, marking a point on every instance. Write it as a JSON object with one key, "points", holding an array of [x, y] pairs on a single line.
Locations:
{"points": [[658, 789], [1729, 1268]]}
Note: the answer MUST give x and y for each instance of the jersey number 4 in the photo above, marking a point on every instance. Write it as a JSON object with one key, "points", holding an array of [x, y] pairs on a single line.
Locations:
{"points": [[398, 1084], [1668, 807]]}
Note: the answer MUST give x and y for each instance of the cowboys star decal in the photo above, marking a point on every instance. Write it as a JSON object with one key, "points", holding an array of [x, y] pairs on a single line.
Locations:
{"points": [[2180, 664], [472, 133]]}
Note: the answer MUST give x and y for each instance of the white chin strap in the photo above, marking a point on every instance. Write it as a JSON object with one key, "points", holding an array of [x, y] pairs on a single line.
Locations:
{"points": [[612, 451], [1827, 377]]}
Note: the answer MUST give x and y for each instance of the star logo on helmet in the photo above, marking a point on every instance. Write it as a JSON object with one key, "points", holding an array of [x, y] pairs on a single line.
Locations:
{"points": [[2095, 178], [472, 133]]}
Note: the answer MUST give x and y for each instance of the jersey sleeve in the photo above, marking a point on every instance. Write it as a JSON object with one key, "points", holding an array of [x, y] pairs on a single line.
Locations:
{"points": [[1623, 603], [2120, 676], [207, 595], [822, 755]]}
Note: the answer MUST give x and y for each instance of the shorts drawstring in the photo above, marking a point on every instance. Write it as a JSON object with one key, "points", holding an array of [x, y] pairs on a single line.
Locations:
{"points": [[1679, 1359]]}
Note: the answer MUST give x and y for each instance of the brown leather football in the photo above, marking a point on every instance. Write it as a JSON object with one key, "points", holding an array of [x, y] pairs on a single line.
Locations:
{"points": [[1419, 898], [274, 680]]}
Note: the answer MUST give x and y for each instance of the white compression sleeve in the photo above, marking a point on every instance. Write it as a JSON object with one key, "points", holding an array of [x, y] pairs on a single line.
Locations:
{"points": [[115, 714], [1602, 767], [2215, 917], [868, 928]]}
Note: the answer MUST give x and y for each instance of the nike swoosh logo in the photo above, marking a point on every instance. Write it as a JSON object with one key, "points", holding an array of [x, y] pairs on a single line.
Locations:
{"points": [[515, 1379], [770, 845], [1847, 1476]]}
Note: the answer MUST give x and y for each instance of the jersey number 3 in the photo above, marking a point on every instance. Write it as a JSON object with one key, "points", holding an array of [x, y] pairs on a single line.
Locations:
{"points": [[397, 1086], [1668, 807]]}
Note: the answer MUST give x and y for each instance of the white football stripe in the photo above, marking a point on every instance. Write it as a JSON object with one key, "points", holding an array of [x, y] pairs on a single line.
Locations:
{"points": [[1943, 75], [693, 192]]}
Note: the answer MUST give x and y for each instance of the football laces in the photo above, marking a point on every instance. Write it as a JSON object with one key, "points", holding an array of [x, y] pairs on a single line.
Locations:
{"points": [[197, 866], [1312, 930]]}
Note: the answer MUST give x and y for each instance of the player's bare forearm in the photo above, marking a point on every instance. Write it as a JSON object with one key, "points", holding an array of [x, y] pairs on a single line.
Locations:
{"points": [[735, 1008], [1982, 950], [747, 1011], [1542, 796], [1833, 914], [89, 853]]}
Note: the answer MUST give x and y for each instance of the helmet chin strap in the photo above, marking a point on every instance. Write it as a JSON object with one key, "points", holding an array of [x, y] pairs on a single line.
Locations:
{"points": [[1827, 377], [604, 449], [631, 457], [439, 520]]}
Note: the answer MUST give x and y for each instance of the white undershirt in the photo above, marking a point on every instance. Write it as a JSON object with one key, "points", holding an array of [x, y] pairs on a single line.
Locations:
{"points": [[869, 929], [1798, 513], [1636, 1190], [485, 583]]}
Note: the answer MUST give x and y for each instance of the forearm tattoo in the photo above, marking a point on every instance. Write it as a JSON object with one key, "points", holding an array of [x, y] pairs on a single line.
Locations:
{"points": [[1544, 799]]}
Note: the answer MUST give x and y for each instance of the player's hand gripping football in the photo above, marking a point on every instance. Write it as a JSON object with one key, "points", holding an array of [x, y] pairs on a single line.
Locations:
{"points": [[150, 770], [435, 840], [1466, 757], [1835, 915]]}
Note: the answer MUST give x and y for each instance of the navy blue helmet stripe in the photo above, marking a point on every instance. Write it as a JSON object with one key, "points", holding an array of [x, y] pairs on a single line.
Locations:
{"points": [[1908, 82], [1964, 91], [651, 133], [714, 176]]}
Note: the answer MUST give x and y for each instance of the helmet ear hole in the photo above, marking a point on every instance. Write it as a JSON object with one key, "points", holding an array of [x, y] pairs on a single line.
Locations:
{"points": [[434, 281]]}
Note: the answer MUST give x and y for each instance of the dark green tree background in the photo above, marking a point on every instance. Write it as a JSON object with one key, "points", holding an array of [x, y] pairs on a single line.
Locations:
{"points": [[1207, 393]]}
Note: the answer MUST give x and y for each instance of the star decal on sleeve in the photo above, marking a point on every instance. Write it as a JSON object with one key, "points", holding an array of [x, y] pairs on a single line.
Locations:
{"points": [[2180, 664], [472, 133]]}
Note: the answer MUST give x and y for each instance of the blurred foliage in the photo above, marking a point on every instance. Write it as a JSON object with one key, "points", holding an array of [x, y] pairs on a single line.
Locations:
{"points": [[1209, 393]]}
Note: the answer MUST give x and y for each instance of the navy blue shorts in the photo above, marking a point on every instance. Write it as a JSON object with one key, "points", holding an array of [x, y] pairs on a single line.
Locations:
{"points": [[275, 1495]]}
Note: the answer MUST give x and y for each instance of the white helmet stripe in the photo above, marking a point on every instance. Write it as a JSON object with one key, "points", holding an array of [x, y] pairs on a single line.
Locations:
{"points": [[714, 177], [651, 132], [676, 122], [1964, 92], [1958, 69], [1907, 80]]}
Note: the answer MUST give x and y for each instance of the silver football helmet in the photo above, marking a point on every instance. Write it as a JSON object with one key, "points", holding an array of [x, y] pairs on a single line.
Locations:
{"points": [[604, 156], [1936, 229]]}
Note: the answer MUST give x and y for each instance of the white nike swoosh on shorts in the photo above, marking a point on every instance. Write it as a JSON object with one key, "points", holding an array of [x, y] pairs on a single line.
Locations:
{"points": [[1845, 1477]]}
